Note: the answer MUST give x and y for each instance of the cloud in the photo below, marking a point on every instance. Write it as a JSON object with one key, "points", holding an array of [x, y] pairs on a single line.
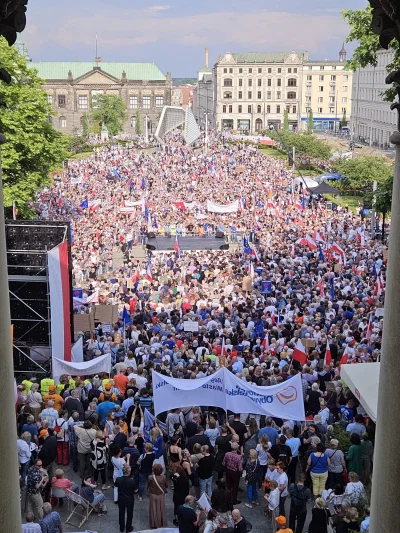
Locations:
{"points": [[159, 8]]}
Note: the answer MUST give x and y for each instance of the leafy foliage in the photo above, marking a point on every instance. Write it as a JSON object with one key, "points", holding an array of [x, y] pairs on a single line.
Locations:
{"points": [[306, 145], [33, 148], [138, 127], [110, 110], [383, 196], [310, 121], [361, 172], [368, 44], [343, 122], [286, 120]]}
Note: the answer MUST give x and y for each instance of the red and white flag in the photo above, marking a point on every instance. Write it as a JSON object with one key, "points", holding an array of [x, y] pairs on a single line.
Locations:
{"points": [[265, 344], [370, 327], [328, 355], [149, 275], [345, 357], [336, 248], [307, 241], [317, 236], [299, 353]]}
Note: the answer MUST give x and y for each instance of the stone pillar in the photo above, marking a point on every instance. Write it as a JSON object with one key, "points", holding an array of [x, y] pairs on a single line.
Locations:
{"points": [[10, 507], [385, 486]]}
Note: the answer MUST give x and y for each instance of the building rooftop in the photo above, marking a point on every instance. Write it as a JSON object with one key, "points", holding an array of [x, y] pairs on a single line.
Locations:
{"points": [[57, 70], [261, 57], [323, 62]]}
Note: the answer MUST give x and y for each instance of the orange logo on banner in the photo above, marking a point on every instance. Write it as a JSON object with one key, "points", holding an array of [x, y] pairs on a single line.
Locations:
{"points": [[288, 395]]}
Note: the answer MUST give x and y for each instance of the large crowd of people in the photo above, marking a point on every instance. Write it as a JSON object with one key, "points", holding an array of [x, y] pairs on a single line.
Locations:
{"points": [[298, 270]]}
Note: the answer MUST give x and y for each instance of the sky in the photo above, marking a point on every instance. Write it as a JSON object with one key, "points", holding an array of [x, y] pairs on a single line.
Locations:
{"points": [[174, 34]]}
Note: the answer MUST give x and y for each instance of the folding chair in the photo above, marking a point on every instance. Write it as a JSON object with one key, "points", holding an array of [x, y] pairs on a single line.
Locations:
{"points": [[82, 510], [59, 493]]}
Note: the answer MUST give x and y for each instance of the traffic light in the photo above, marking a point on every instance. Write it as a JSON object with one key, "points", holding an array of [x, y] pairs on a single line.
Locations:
{"points": [[12, 19]]}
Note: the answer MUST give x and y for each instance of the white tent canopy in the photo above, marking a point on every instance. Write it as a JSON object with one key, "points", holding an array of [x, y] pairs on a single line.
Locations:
{"points": [[363, 381], [307, 180]]}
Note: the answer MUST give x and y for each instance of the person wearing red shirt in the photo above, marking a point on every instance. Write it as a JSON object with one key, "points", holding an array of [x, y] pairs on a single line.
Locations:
{"points": [[121, 382]]}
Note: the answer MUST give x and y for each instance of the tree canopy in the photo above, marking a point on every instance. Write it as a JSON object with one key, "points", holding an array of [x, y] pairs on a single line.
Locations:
{"points": [[305, 145], [110, 110], [33, 148], [361, 172], [368, 44]]}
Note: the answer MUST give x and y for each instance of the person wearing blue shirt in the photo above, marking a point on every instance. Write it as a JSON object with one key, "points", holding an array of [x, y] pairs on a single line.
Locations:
{"points": [[104, 408], [365, 523], [294, 444], [269, 431]]}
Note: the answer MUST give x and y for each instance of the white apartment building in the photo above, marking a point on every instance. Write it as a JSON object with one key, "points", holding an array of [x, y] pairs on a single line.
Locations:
{"points": [[372, 120], [252, 90], [327, 90]]}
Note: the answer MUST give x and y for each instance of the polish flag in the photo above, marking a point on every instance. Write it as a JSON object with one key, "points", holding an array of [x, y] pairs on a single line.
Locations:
{"points": [[336, 248], [265, 344], [370, 327], [149, 276], [379, 286], [93, 205], [317, 236], [328, 355], [299, 353], [307, 241], [176, 247], [136, 276], [345, 357], [361, 236], [320, 285]]}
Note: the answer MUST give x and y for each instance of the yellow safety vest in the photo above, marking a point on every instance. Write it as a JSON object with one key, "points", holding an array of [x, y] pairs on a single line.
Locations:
{"points": [[45, 385]]}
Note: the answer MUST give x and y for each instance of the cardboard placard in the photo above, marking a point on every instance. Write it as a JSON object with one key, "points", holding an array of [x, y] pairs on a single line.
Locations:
{"points": [[308, 343], [106, 314], [338, 268], [84, 322], [191, 325]]}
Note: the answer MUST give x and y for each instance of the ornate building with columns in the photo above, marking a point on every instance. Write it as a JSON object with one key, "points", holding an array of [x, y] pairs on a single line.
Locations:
{"points": [[71, 86]]}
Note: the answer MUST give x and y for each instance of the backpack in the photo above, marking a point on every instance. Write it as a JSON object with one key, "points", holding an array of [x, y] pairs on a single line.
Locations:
{"points": [[297, 500], [282, 455], [248, 525], [58, 430]]}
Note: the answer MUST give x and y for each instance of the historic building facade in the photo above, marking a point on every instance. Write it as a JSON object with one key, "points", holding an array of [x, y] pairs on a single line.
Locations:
{"points": [[71, 87], [253, 90]]}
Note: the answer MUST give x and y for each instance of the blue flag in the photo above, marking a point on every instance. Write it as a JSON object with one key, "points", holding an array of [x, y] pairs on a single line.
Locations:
{"points": [[259, 329], [116, 173], [149, 423], [126, 317], [84, 204], [321, 254], [374, 272], [303, 202], [143, 183]]}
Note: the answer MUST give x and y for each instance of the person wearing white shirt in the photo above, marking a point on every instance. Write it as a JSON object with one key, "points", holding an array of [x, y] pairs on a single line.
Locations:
{"points": [[283, 486], [273, 502], [30, 526], [24, 454], [141, 381]]}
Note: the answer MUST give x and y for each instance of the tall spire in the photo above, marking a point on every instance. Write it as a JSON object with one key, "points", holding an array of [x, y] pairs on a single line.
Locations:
{"points": [[342, 54]]}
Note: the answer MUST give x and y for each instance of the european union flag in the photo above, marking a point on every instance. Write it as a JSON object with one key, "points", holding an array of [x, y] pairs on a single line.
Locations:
{"points": [[321, 254], [374, 272], [332, 288], [143, 183], [84, 204], [126, 317], [259, 329]]}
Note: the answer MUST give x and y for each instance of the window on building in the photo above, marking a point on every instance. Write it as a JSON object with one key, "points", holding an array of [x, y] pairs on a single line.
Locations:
{"points": [[321, 88], [289, 70], [331, 99], [224, 108], [63, 122], [82, 102], [159, 101], [146, 103], [240, 82], [292, 82], [288, 108], [279, 82], [259, 70], [345, 77], [331, 110], [269, 95], [239, 109], [308, 98], [250, 71], [279, 71], [240, 70], [269, 82], [225, 70], [321, 67], [320, 99], [259, 95], [133, 122], [258, 124], [321, 78], [50, 99], [320, 110], [230, 109], [94, 95], [291, 95], [228, 82], [344, 100], [294, 109], [227, 95], [133, 102], [295, 70], [278, 95], [334, 67], [333, 78], [231, 71], [269, 70], [344, 110], [258, 109], [268, 109], [240, 95], [344, 88], [259, 82], [250, 83], [62, 100], [249, 109], [249, 95], [309, 78], [278, 108]]}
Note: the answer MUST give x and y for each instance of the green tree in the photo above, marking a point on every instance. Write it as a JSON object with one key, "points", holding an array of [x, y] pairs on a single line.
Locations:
{"points": [[286, 120], [110, 110], [85, 125], [34, 148], [383, 200], [368, 44], [310, 121], [305, 145], [361, 172], [138, 125]]}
